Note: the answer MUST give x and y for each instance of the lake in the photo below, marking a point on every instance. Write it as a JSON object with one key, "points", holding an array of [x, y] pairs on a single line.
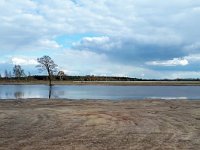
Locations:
{"points": [[99, 92]]}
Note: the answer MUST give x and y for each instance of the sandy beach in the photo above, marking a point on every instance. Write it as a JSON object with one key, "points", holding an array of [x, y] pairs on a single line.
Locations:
{"points": [[99, 125]]}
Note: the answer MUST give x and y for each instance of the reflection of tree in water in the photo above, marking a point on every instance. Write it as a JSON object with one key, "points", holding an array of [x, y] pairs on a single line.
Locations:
{"points": [[50, 91], [54, 93], [59, 94], [18, 95]]}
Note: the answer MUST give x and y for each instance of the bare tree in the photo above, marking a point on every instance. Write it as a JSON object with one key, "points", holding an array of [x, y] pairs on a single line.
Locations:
{"points": [[10, 74], [6, 74], [46, 63], [18, 71], [61, 74]]}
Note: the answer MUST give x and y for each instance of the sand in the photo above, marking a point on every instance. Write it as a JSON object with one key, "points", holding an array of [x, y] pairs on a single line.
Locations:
{"points": [[99, 125]]}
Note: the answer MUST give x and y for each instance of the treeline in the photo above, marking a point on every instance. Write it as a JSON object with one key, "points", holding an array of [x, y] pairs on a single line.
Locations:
{"points": [[105, 78], [70, 78], [85, 78]]}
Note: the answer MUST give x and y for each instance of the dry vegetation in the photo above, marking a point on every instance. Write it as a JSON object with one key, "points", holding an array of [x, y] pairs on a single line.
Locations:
{"points": [[99, 125]]}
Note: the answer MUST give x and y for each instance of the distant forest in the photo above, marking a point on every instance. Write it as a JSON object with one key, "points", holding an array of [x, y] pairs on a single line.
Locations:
{"points": [[85, 78]]}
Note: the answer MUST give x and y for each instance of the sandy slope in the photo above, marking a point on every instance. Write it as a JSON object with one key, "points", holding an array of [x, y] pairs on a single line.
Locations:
{"points": [[99, 125]]}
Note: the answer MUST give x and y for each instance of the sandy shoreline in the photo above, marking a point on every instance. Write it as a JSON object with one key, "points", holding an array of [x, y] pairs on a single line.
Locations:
{"points": [[99, 125]]}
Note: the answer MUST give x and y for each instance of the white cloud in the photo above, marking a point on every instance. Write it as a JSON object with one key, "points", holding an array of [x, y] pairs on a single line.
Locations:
{"points": [[79, 62], [22, 23], [95, 43], [98, 40], [173, 62], [194, 60], [140, 31], [181, 74], [95, 64], [45, 43], [23, 61], [88, 41], [192, 48]]}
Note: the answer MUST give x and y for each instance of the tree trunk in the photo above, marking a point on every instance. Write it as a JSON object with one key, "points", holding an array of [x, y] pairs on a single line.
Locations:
{"points": [[49, 77], [50, 84]]}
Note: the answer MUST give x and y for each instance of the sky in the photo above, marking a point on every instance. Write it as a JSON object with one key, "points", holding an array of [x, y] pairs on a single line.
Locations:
{"points": [[135, 38]]}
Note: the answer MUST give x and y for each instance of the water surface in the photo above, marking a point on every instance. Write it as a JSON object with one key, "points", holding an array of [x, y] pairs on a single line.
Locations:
{"points": [[99, 92]]}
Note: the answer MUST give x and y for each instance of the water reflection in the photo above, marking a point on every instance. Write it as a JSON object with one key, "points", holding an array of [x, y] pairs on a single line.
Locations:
{"points": [[50, 91], [58, 94], [18, 95], [7, 94], [98, 92]]}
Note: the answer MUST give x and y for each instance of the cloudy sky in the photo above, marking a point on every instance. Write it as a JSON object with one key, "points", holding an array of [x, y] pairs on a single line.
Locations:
{"points": [[136, 38]]}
